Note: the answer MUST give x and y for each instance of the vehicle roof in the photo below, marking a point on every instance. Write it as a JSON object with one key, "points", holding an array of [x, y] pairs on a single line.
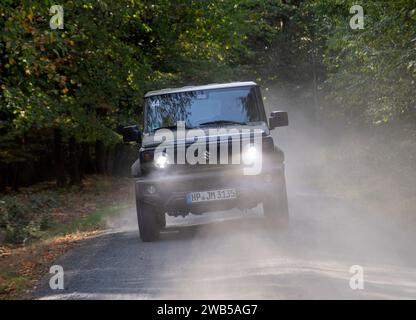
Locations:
{"points": [[203, 87]]}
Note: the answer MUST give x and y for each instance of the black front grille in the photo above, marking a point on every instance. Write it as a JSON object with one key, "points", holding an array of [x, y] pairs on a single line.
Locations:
{"points": [[209, 159]]}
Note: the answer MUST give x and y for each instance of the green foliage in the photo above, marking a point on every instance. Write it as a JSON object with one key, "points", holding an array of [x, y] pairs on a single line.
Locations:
{"points": [[372, 72], [90, 77], [22, 215], [14, 219]]}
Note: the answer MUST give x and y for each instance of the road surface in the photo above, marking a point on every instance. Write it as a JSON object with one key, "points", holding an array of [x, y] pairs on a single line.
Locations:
{"points": [[231, 255]]}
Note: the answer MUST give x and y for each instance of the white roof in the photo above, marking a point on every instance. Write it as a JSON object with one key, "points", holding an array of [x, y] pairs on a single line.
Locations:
{"points": [[204, 87]]}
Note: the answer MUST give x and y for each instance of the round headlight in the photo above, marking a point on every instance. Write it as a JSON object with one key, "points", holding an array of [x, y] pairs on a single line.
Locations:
{"points": [[250, 155], [161, 161]]}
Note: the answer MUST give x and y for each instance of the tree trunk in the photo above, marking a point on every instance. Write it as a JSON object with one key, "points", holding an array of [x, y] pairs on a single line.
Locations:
{"points": [[15, 176], [118, 154], [108, 160], [85, 159], [74, 163], [3, 178], [59, 159], [99, 157]]}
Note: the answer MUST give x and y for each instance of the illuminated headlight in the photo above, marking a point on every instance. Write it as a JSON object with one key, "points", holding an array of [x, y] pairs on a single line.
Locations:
{"points": [[161, 161], [250, 155]]}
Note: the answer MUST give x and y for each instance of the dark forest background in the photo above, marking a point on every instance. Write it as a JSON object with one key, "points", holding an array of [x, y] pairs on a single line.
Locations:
{"points": [[63, 93]]}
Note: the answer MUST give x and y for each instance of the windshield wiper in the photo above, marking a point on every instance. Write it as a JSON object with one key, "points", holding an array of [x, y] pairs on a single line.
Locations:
{"points": [[172, 127], [216, 122], [219, 122]]}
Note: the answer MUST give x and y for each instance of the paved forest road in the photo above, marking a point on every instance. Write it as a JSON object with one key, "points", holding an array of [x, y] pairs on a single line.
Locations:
{"points": [[238, 259]]}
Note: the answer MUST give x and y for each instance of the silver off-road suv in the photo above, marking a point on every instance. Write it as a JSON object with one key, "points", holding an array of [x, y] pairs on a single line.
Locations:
{"points": [[191, 140]]}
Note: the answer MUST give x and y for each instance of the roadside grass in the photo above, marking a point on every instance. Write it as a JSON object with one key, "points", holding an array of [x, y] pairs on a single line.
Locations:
{"points": [[90, 222], [27, 264], [19, 283], [72, 217]]}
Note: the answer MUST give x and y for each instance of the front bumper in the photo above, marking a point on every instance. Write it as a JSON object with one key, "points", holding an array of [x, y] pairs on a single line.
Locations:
{"points": [[168, 192]]}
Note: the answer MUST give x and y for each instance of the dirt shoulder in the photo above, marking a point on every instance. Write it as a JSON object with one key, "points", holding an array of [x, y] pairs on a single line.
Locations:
{"points": [[56, 221]]}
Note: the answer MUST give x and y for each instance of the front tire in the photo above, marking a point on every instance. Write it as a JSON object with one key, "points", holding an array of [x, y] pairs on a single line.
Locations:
{"points": [[147, 218], [275, 206]]}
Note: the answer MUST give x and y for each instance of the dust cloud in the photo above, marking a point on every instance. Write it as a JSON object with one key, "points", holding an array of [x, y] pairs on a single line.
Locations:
{"points": [[344, 211]]}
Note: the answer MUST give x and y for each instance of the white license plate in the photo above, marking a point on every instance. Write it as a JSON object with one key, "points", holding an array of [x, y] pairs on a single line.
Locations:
{"points": [[212, 195]]}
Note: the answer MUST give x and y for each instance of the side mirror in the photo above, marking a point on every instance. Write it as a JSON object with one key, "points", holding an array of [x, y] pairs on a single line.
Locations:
{"points": [[131, 134], [278, 119]]}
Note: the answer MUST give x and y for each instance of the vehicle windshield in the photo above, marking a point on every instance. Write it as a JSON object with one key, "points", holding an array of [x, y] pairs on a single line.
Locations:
{"points": [[200, 108]]}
